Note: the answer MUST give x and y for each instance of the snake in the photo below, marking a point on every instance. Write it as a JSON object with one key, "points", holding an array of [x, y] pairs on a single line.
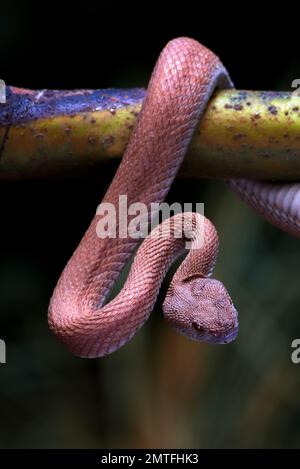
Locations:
{"points": [[196, 305]]}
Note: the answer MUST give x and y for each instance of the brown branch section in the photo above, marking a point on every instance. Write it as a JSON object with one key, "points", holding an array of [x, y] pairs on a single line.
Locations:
{"points": [[57, 133]]}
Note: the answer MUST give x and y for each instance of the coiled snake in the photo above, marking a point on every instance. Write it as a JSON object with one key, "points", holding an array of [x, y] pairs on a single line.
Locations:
{"points": [[182, 82]]}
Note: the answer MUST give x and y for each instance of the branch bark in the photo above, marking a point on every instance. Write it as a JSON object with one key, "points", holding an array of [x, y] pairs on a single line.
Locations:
{"points": [[242, 133]]}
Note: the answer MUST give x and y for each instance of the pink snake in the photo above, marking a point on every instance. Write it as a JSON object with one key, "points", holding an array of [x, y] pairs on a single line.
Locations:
{"points": [[182, 82]]}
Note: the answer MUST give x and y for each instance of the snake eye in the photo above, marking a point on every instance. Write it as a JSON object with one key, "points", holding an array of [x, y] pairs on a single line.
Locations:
{"points": [[197, 327]]}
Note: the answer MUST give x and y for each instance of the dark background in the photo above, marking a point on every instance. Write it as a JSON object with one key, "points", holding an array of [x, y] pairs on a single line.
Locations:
{"points": [[160, 390]]}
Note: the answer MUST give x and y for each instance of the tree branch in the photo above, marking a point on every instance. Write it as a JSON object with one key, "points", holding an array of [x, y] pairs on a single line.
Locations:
{"points": [[242, 133]]}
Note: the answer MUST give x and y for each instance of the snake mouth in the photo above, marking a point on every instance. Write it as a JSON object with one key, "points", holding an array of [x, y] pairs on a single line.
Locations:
{"points": [[216, 337], [231, 335]]}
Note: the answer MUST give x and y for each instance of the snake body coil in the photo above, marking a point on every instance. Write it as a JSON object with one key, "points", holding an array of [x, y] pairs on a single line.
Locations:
{"points": [[182, 82]]}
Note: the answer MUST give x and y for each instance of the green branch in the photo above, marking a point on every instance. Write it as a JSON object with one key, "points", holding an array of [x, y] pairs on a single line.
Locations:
{"points": [[242, 133]]}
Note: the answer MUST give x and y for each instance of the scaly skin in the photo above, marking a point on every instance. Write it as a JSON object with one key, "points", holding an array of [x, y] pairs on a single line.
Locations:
{"points": [[182, 82]]}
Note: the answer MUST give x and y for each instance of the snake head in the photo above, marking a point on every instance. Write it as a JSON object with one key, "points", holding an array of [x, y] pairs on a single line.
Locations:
{"points": [[201, 309]]}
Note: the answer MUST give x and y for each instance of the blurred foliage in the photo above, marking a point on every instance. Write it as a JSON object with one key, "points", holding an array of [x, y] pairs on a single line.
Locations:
{"points": [[160, 390]]}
